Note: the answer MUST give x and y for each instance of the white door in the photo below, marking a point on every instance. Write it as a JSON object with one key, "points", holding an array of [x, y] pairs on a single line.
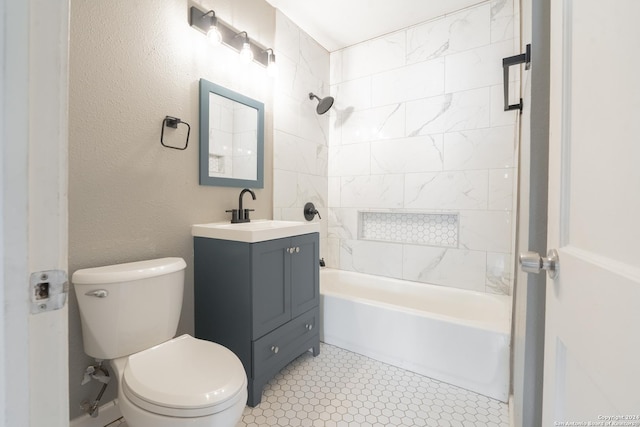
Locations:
{"points": [[592, 345], [33, 123]]}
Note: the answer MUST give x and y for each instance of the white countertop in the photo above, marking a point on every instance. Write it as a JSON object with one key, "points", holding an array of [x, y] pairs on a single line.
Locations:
{"points": [[258, 230]]}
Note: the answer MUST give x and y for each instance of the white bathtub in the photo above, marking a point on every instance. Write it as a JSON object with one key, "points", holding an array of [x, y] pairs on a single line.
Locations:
{"points": [[456, 336]]}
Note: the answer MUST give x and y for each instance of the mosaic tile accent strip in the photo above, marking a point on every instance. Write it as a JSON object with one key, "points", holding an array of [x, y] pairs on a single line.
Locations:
{"points": [[433, 229]]}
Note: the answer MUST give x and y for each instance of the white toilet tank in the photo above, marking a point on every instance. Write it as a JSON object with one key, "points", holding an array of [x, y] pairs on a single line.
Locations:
{"points": [[126, 308]]}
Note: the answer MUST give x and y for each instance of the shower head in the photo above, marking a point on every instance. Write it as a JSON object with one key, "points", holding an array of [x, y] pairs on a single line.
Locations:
{"points": [[323, 104]]}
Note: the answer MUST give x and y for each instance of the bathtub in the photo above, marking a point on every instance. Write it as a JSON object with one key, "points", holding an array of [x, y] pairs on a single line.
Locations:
{"points": [[457, 336]]}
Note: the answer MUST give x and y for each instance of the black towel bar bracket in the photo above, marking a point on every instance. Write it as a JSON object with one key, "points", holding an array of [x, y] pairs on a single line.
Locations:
{"points": [[173, 122], [523, 58]]}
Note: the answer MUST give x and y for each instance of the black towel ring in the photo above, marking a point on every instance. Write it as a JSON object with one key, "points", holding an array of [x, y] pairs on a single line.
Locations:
{"points": [[173, 122]]}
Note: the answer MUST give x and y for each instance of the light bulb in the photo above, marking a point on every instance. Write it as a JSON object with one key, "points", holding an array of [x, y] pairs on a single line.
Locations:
{"points": [[214, 35], [246, 55]]}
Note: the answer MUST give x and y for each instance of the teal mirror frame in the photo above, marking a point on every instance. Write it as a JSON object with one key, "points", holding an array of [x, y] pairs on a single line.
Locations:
{"points": [[207, 87]]}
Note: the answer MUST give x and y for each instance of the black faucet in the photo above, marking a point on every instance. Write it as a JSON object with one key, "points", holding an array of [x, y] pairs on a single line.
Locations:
{"points": [[242, 215]]}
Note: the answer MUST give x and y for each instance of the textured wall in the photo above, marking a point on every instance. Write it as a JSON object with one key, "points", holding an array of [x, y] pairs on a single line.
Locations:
{"points": [[131, 64]]}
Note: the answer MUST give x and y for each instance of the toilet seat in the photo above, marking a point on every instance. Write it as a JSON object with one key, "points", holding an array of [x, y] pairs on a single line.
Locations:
{"points": [[184, 377]]}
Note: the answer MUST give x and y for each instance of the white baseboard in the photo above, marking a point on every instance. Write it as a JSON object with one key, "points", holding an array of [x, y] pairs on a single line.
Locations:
{"points": [[108, 413]]}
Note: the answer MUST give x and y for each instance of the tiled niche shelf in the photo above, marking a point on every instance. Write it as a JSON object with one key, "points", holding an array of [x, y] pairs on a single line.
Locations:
{"points": [[216, 164], [432, 229]]}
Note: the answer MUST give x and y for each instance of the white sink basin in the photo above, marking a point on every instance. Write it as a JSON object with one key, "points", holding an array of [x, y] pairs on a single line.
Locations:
{"points": [[255, 231]]}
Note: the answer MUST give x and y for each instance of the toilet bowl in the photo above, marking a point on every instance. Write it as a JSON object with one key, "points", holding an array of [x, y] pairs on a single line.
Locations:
{"points": [[185, 381], [129, 316]]}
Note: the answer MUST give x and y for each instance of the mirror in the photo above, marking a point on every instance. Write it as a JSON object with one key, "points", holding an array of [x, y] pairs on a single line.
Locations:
{"points": [[231, 138]]}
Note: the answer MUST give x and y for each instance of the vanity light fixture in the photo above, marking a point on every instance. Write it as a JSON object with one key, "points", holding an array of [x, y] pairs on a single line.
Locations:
{"points": [[272, 67], [250, 50], [213, 34]]}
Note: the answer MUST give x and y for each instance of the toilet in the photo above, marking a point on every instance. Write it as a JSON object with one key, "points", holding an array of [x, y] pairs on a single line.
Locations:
{"points": [[130, 315]]}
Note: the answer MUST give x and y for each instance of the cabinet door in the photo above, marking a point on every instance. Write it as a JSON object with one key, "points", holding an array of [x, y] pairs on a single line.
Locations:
{"points": [[271, 286], [305, 278]]}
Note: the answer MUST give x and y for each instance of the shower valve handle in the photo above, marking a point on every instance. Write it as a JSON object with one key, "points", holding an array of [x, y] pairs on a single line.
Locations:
{"points": [[310, 212]]}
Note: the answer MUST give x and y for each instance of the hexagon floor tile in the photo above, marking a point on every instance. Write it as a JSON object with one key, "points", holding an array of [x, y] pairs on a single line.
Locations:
{"points": [[340, 388], [344, 389]]}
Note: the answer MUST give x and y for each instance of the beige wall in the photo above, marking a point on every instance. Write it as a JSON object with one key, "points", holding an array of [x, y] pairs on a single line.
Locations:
{"points": [[131, 64]]}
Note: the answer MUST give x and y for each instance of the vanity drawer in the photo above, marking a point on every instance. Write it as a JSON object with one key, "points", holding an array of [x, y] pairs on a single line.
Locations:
{"points": [[278, 347]]}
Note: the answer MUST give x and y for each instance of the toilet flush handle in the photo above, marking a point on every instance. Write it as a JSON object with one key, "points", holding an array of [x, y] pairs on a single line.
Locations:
{"points": [[99, 293]]}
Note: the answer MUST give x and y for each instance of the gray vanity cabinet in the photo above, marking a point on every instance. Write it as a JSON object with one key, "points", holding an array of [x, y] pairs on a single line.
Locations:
{"points": [[260, 300]]}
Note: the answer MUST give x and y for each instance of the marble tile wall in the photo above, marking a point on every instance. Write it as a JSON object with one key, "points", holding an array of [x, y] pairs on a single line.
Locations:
{"points": [[301, 136], [232, 134], [220, 136], [418, 127]]}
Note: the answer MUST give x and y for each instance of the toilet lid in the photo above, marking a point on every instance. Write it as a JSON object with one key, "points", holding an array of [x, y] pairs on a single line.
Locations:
{"points": [[183, 375]]}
